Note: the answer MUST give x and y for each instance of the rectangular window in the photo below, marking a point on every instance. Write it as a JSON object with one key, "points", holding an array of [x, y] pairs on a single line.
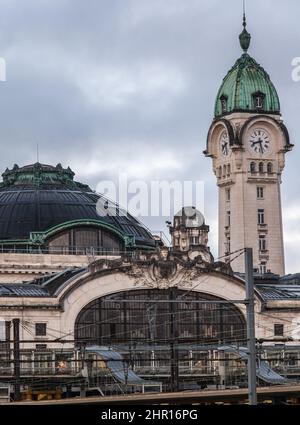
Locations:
{"points": [[194, 240], [40, 329], [177, 242], [228, 219], [262, 243], [228, 195], [260, 192], [263, 268], [227, 245], [278, 329], [259, 102], [261, 217], [224, 104]]}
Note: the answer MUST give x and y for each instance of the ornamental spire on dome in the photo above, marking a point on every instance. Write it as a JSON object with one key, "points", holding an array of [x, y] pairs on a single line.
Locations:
{"points": [[245, 37]]}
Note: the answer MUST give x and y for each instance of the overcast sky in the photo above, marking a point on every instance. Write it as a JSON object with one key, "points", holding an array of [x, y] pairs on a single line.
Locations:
{"points": [[110, 86]]}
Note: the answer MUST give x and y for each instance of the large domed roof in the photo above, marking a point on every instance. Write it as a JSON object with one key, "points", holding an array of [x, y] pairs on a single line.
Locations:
{"points": [[38, 197], [244, 82], [246, 79]]}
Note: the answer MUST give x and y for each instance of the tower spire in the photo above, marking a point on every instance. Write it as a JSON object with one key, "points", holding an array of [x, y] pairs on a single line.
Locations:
{"points": [[245, 37]]}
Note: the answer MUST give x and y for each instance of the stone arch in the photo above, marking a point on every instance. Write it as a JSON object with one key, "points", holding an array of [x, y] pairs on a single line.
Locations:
{"points": [[272, 125], [215, 132], [143, 315], [88, 288]]}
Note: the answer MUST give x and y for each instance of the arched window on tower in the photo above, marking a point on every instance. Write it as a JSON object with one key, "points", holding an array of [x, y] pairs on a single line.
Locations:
{"points": [[224, 170], [228, 170], [261, 168], [259, 100], [253, 168], [224, 100], [270, 168], [220, 172]]}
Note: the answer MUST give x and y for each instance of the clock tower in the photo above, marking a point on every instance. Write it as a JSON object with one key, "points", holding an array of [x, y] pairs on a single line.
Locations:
{"points": [[247, 142]]}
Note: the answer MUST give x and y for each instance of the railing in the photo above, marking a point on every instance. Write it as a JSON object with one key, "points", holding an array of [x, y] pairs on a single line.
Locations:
{"points": [[35, 362], [72, 362], [62, 250]]}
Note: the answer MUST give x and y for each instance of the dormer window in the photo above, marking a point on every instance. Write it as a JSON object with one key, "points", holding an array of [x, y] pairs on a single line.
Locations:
{"points": [[259, 100], [224, 103]]}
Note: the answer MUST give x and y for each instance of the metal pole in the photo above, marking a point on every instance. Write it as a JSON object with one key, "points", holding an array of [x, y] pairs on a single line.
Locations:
{"points": [[174, 341], [16, 327], [250, 327]]}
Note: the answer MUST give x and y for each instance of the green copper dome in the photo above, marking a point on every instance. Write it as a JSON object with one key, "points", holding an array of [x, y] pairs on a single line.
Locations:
{"points": [[241, 87], [247, 86]]}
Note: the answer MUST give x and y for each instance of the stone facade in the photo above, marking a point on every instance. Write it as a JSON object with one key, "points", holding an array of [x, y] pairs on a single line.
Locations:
{"points": [[16, 267], [240, 175], [60, 310]]}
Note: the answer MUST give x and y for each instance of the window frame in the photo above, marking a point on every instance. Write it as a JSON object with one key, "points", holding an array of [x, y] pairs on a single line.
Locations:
{"points": [[39, 325], [224, 104], [262, 241], [258, 101], [194, 240], [260, 192], [261, 218], [253, 168], [278, 326], [228, 194]]}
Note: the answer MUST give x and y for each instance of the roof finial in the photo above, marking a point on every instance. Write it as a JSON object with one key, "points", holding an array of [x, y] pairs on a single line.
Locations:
{"points": [[244, 15], [245, 37]]}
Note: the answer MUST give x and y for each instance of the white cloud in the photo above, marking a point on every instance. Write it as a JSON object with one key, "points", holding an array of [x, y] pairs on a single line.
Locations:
{"points": [[120, 86], [143, 164]]}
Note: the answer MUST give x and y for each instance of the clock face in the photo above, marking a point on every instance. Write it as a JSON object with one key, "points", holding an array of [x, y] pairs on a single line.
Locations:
{"points": [[224, 144], [260, 141]]}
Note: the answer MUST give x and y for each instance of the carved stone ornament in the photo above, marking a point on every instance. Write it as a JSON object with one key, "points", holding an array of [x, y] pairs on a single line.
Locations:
{"points": [[164, 271]]}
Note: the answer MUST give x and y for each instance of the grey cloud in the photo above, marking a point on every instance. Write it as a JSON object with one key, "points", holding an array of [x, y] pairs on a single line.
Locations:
{"points": [[48, 44]]}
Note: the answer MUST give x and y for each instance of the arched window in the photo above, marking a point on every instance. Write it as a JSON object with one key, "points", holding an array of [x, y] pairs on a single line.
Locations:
{"points": [[253, 168], [84, 240], [108, 320], [224, 170], [261, 168], [270, 168], [220, 172], [228, 170], [259, 100], [223, 100]]}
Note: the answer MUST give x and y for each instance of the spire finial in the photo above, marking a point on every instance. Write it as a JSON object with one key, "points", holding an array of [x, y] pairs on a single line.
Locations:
{"points": [[245, 37]]}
